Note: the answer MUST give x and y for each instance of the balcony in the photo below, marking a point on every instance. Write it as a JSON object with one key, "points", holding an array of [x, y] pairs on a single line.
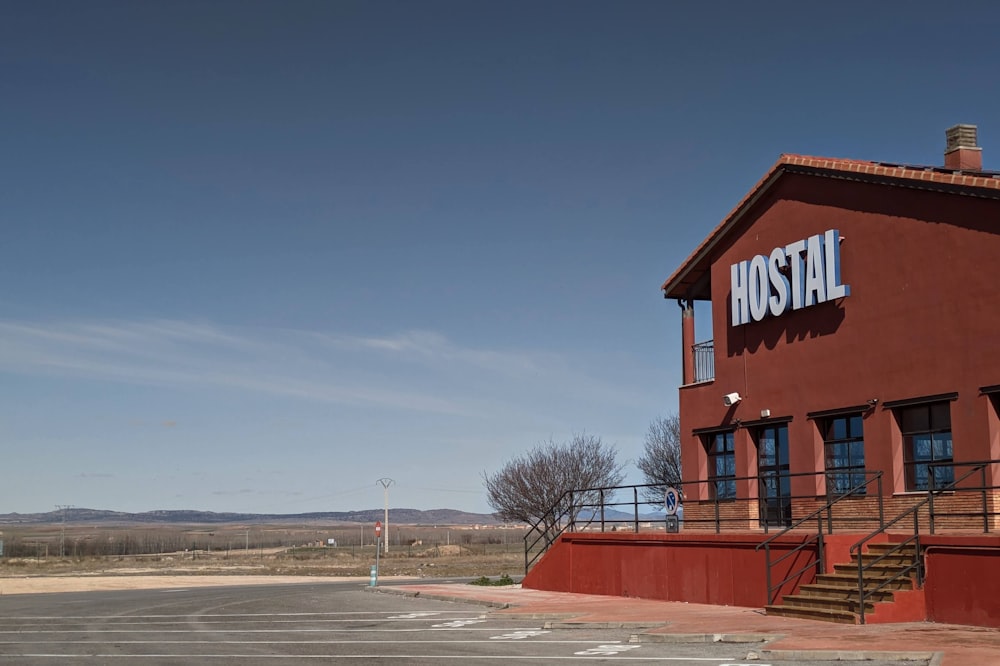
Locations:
{"points": [[703, 354]]}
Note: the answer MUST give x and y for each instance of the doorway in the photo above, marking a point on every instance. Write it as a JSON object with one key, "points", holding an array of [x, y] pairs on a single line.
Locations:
{"points": [[772, 469]]}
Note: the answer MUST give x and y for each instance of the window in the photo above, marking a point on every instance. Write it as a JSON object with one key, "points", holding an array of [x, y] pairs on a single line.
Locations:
{"points": [[926, 431], [843, 437], [772, 470], [722, 465]]}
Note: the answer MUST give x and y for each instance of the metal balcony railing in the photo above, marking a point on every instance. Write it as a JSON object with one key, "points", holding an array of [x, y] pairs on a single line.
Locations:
{"points": [[704, 360]]}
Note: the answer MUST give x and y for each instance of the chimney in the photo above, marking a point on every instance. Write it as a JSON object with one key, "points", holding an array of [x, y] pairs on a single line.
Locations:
{"points": [[961, 151]]}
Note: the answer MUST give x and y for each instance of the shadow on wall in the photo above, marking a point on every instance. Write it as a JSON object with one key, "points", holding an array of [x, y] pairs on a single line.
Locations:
{"points": [[795, 326]]}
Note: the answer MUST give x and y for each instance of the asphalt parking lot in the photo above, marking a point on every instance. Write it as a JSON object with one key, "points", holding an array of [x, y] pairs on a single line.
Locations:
{"points": [[318, 622]]}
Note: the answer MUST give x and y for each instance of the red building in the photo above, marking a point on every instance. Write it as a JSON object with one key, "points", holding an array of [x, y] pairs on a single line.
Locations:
{"points": [[842, 428], [856, 324]]}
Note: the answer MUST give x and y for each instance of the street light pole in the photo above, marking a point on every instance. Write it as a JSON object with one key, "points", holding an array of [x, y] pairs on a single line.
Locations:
{"points": [[62, 532], [385, 483]]}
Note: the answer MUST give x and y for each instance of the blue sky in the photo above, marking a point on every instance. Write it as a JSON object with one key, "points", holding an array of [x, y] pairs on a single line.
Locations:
{"points": [[257, 255]]}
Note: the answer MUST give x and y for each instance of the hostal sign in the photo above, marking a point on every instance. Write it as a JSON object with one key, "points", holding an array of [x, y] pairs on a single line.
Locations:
{"points": [[796, 276]]}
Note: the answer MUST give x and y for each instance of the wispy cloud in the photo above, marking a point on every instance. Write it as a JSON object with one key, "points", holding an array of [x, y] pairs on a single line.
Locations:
{"points": [[415, 370]]}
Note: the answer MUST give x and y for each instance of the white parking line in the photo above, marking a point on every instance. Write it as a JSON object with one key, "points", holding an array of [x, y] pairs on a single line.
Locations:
{"points": [[246, 631], [196, 642], [392, 615], [185, 620], [272, 657]]}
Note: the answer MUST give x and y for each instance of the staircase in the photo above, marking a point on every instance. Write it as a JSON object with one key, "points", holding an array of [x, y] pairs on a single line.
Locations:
{"points": [[834, 597]]}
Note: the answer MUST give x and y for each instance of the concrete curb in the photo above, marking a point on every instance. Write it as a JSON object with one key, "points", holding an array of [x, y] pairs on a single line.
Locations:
{"points": [[850, 655], [599, 625], [704, 638], [557, 620], [933, 658], [440, 597]]}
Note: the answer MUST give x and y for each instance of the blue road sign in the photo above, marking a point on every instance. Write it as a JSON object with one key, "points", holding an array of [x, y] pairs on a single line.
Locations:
{"points": [[671, 500]]}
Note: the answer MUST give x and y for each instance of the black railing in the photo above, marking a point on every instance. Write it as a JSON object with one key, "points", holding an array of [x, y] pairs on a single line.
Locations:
{"points": [[916, 568], [815, 541], [984, 512], [704, 361], [601, 510], [598, 509]]}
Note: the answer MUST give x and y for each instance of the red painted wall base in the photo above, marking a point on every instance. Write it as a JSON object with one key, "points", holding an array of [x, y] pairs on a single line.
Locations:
{"points": [[962, 583]]}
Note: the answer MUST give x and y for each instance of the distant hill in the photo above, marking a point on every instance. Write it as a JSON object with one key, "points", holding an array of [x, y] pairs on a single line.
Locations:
{"points": [[396, 516]]}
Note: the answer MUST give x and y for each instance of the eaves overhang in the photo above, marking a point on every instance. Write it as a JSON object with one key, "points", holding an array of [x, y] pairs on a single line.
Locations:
{"points": [[691, 280]]}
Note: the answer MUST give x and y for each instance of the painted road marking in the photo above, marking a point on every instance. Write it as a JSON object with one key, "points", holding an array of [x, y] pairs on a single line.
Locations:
{"points": [[186, 622], [609, 650], [243, 631], [456, 624], [518, 635], [226, 615], [313, 657], [332, 642]]}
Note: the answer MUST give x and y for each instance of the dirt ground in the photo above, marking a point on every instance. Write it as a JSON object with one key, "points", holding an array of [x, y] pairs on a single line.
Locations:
{"points": [[272, 566], [172, 556]]}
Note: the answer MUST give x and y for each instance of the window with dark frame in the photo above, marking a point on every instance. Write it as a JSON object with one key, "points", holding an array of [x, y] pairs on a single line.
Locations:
{"points": [[926, 431], [722, 464], [844, 442], [773, 474]]}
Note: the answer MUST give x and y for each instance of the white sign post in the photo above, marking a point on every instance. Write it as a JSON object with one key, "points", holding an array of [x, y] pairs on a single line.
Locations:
{"points": [[378, 547], [671, 502]]}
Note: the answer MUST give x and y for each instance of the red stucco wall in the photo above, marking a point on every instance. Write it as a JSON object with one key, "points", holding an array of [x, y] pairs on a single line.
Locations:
{"points": [[921, 320], [962, 582], [710, 569]]}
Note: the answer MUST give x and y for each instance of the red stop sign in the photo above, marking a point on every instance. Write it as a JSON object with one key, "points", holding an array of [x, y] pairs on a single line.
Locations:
{"points": [[378, 528]]}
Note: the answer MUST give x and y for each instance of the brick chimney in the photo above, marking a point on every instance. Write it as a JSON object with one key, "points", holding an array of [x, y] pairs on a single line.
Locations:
{"points": [[961, 151]]}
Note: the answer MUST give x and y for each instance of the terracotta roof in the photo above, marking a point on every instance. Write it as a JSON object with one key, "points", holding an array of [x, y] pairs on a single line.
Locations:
{"points": [[694, 269]]}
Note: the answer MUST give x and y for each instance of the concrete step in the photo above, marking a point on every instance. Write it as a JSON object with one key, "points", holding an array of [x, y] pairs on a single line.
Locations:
{"points": [[895, 558], [880, 570], [841, 592], [826, 603], [804, 613], [909, 550], [851, 580]]}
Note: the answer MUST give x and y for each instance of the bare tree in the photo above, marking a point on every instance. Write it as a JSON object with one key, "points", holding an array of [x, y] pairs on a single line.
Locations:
{"points": [[533, 487], [661, 458]]}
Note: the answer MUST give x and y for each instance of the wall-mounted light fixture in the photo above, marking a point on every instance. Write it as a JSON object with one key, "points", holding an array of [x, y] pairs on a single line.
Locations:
{"points": [[765, 413], [731, 399]]}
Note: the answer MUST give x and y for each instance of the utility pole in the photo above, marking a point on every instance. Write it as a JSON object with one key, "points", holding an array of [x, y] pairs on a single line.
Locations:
{"points": [[62, 532], [385, 483]]}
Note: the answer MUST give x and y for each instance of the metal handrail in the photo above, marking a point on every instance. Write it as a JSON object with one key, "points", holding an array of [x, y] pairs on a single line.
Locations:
{"points": [[977, 466], [544, 532], [703, 354], [557, 523], [573, 515], [917, 565], [819, 563]]}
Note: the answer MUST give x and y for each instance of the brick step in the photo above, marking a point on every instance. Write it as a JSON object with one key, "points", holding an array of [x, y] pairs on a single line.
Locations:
{"points": [[909, 550], [880, 570], [804, 613], [851, 580], [895, 558], [841, 592], [825, 603]]}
